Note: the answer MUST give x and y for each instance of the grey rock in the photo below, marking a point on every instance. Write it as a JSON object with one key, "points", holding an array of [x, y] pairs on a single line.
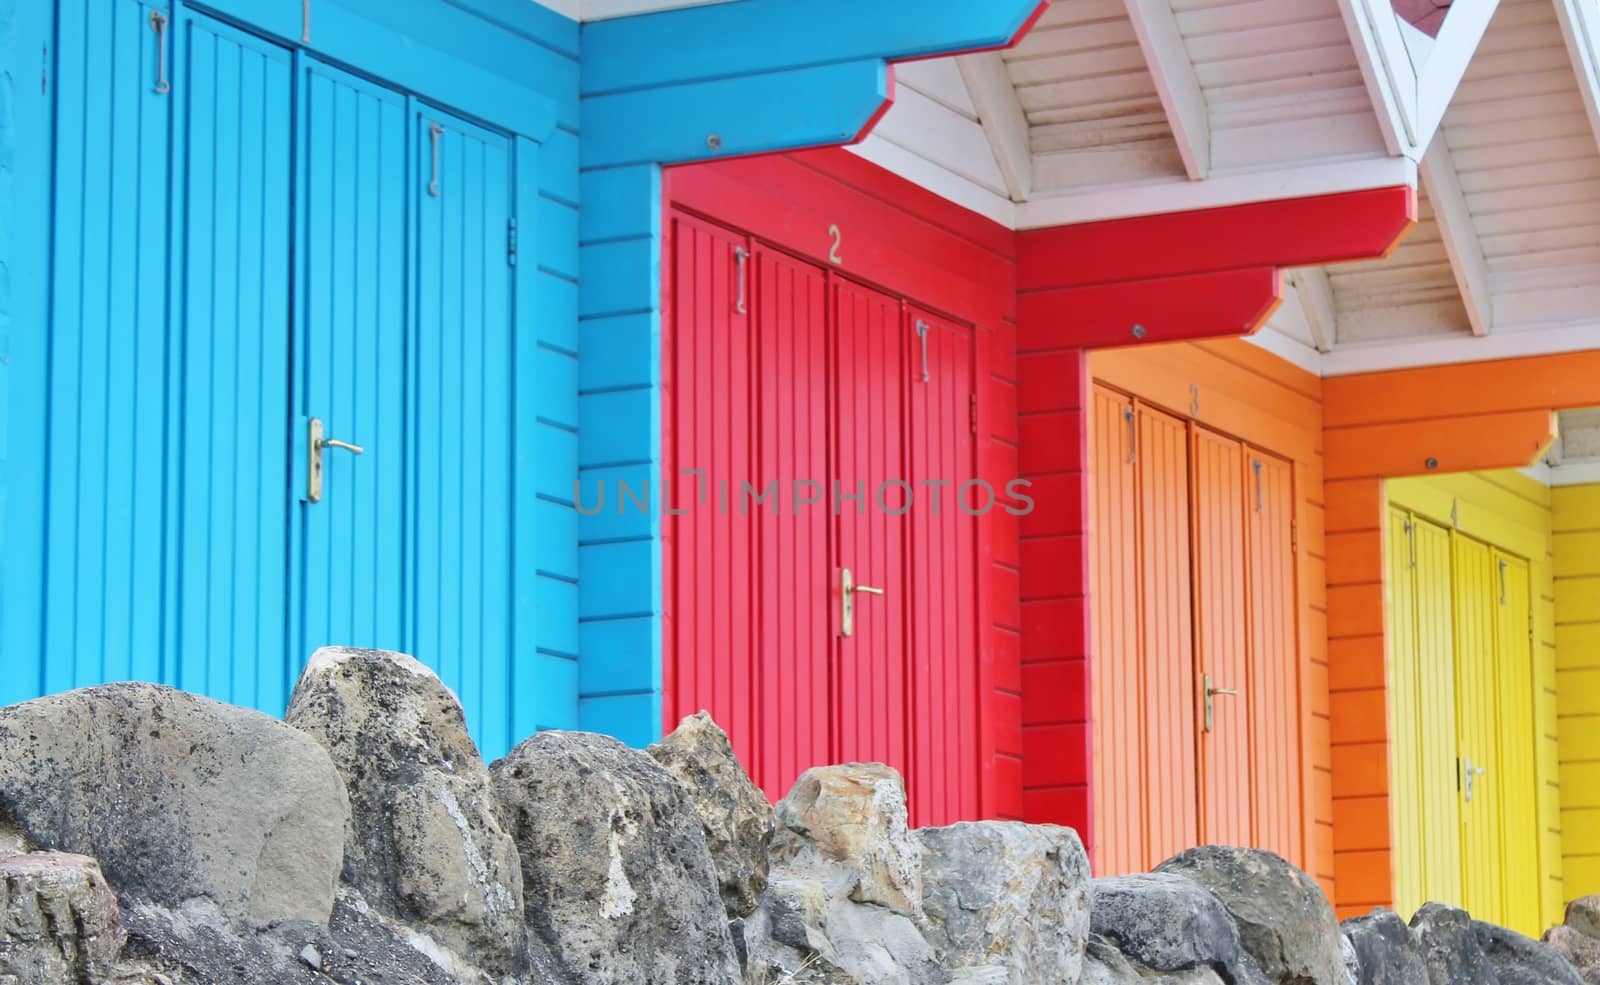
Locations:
{"points": [[1168, 923], [1580, 950], [425, 845], [819, 938], [1583, 916], [310, 957], [59, 921], [850, 820], [179, 796], [1449, 947], [1285, 921], [1008, 897], [1385, 951], [1103, 964], [617, 880], [735, 813], [1519, 960]]}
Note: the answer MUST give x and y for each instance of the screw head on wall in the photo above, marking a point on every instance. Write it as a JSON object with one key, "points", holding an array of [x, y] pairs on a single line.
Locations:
{"points": [[1432, 464], [1138, 331], [714, 141]]}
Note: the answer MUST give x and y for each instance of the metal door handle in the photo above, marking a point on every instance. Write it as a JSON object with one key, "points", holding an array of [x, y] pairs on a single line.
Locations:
{"points": [[1210, 693], [315, 443], [1470, 772], [848, 589]]}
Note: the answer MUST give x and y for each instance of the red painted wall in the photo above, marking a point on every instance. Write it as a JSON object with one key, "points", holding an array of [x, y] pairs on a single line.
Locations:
{"points": [[757, 642]]}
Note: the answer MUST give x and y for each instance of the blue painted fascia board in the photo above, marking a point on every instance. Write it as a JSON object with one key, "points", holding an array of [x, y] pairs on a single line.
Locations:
{"points": [[760, 36]]}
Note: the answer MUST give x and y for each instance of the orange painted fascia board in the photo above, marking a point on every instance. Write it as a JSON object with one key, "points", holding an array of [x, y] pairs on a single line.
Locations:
{"points": [[1475, 443], [1565, 381]]}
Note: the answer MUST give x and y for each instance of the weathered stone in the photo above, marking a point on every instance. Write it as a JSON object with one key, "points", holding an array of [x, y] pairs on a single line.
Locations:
{"points": [[1385, 951], [179, 796], [819, 938], [854, 818], [1285, 921], [1006, 896], [1103, 964], [735, 813], [59, 921], [1580, 950], [1583, 915], [1519, 960], [425, 845], [1449, 947], [1169, 923], [616, 875]]}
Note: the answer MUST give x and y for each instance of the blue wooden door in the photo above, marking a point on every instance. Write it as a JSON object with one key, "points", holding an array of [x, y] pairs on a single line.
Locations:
{"points": [[229, 422], [351, 351], [461, 418]]}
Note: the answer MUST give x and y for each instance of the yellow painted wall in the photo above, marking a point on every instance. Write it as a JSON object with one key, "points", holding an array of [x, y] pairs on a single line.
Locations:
{"points": [[1577, 591], [1515, 514]]}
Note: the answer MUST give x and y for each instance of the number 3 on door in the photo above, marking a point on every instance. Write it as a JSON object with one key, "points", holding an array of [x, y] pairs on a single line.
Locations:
{"points": [[833, 250]]}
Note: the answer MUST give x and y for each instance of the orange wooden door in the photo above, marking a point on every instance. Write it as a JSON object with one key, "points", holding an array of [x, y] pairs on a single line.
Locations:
{"points": [[1273, 692], [870, 700], [1114, 627], [1222, 638], [942, 610], [1167, 626]]}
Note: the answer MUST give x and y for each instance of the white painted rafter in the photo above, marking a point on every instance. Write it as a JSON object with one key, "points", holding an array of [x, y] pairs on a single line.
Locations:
{"points": [[1000, 114], [1580, 26], [1316, 299], [1460, 235], [1373, 357], [1171, 68]]}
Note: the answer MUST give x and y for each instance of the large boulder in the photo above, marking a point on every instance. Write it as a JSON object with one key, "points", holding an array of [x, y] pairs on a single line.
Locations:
{"points": [[1384, 951], [851, 821], [425, 845], [1008, 896], [1285, 921], [1450, 947], [59, 922], [616, 877], [1519, 960], [1583, 916], [1104, 964], [179, 796], [1580, 950], [734, 812], [1168, 923]]}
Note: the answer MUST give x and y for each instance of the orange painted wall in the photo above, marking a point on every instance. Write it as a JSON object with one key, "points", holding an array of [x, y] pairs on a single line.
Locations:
{"points": [[1459, 418], [1240, 390]]}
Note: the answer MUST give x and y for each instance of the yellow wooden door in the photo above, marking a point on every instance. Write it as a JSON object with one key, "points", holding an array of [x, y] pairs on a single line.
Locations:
{"points": [[1405, 717], [1477, 729], [1517, 766]]}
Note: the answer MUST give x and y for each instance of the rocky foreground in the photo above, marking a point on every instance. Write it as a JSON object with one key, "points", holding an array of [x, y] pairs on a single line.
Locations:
{"points": [[152, 837]]}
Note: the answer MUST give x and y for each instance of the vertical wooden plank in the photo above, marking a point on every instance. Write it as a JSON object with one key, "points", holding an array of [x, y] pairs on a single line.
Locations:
{"points": [[1117, 705], [1221, 630], [1475, 594], [869, 439], [1170, 542], [1438, 747], [1405, 702], [1276, 711], [1518, 767]]}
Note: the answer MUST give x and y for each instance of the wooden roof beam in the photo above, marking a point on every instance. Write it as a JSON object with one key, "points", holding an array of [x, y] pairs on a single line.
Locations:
{"points": [[1316, 299], [1460, 235], [1002, 119], [1580, 25], [1173, 71]]}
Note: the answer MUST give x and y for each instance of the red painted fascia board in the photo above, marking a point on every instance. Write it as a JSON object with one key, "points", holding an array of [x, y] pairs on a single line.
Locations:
{"points": [[1295, 232], [1136, 312]]}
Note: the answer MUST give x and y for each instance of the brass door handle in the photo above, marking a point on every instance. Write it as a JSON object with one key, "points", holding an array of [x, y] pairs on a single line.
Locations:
{"points": [[1210, 693], [315, 443], [848, 589]]}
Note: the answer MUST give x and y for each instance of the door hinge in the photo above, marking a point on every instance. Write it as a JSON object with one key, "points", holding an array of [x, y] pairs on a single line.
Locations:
{"points": [[1294, 536], [511, 241], [972, 412]]}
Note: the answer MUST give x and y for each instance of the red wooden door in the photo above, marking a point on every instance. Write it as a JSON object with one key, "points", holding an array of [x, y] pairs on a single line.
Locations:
{"points": [[871, 695], [1221, 631], [1116, 638], [1167, 628], [709, 583], [1273, 694], [792, 567], [937, 375]]}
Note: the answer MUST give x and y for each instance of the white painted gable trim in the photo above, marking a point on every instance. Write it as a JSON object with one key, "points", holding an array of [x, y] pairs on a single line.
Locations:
{"points": [[1575, 474], [1580, 26], [1287, 349], [1375, 357]]}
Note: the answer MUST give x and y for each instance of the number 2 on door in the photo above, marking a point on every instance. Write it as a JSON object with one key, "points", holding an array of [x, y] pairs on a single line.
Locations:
{"points": [[833, 250]]}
